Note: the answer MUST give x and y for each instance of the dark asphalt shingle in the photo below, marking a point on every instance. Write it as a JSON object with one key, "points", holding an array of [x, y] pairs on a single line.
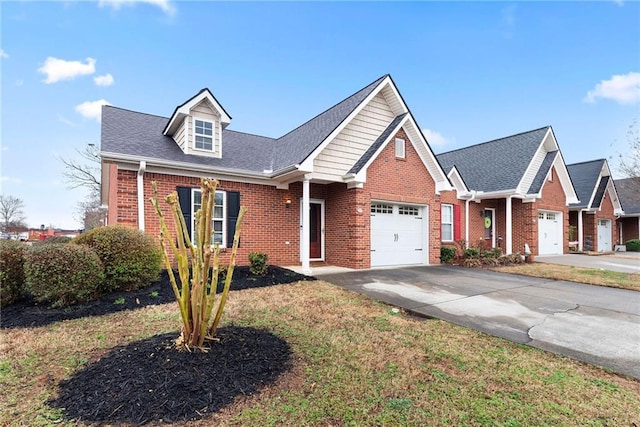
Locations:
{"points": [[495, 165], [585, 176], [628, 190], [139, 134]]}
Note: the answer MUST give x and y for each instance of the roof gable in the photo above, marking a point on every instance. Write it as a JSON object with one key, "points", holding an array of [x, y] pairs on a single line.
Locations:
{"points": [[184, 109], [295, 146], [497, 165]]}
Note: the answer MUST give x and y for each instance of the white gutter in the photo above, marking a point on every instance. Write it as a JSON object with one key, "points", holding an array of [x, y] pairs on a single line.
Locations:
{"points": [[140, 179]]}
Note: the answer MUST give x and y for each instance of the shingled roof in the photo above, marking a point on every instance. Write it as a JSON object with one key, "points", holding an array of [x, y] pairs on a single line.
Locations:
{"points": [[629, 193], [500, 164], [585, 176], [140, 135]]}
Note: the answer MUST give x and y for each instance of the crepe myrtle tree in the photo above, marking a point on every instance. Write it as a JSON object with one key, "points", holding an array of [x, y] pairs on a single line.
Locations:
{"points": [[196, 295]]}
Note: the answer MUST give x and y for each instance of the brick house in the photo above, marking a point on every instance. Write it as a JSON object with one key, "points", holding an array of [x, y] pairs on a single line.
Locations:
{"points": [[629, 222], [509, 192], [356, 186], [594, 217]]}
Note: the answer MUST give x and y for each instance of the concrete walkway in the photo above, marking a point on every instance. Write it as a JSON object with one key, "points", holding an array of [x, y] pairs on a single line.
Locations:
{"points": [[594, 324]]}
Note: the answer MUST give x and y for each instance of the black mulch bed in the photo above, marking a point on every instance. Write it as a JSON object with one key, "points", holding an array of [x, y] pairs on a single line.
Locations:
{"points": [[150, 381], [26, 313]]}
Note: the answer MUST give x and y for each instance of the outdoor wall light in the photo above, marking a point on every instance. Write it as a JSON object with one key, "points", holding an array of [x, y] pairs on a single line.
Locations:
{"points": [[287, 202]]}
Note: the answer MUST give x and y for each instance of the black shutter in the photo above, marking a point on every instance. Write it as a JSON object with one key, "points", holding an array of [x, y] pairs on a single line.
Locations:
{"points": [[184, 195], [233, 208]]}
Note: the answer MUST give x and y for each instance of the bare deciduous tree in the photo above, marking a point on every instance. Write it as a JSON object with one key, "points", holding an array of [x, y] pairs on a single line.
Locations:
{"points": [[12, 214], [630, 160], [84, 172]]}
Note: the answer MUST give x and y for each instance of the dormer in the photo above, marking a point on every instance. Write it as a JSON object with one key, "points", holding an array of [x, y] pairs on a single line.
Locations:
{"points": [[196, 125]]}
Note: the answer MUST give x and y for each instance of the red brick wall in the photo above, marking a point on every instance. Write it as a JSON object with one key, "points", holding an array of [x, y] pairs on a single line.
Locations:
{"points": [[630, 229], [403, 180]]}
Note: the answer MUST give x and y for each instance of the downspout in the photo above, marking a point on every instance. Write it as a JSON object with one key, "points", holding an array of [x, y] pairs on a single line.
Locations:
{"points": [[140, 179]]}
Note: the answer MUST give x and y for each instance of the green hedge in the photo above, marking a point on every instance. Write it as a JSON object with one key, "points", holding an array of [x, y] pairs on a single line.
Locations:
{"points": [[633, 245], [258, 263], [447, 254], [131, 258], [61, 274], [12, 256]]}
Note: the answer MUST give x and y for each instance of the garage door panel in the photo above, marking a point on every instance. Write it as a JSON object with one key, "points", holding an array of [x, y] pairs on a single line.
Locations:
{"points": [[549, 233], [397, 234]]}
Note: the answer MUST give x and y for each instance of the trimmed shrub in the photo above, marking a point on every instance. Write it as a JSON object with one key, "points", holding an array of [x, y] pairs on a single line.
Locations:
{"points": [[471, 253], [447, 254], [258, 263], [633, 245], [52, 240], [131, 258], [61, 274], [12, 255]]}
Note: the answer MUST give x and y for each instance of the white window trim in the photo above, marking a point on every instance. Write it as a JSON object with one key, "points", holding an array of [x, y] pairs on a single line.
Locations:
{"points": [[213, 135], [400, 143], [443, 223], [223, 219]]}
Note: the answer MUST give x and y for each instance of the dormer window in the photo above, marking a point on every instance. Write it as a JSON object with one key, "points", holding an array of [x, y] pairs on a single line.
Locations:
{"points": [[203, 135]]}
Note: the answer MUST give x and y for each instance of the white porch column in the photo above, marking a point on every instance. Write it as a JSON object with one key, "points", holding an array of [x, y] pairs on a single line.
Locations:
{"points": [[509, 229], [304, 230], [466, 223], [580, 243], [141, 169]]}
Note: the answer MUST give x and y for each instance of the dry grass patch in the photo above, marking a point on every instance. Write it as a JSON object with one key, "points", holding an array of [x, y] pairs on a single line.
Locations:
{"points": [[356, 362], [591, 276]]}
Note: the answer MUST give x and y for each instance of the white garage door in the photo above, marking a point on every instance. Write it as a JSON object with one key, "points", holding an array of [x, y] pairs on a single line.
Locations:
{"points": [[549, 233], [604, 235], [398, 234]]}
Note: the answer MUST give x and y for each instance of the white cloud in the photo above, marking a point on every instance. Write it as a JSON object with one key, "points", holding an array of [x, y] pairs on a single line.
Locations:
{"points": [[3, 54], [92, 109], [436, 138], [622, 88], [59, 69], [106, 80], [66, 121], [9, 179], [164, 5]]}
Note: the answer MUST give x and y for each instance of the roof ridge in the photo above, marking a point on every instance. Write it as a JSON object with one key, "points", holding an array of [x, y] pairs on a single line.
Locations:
{"points": [[497, 139], [587, 161], [377, 81], [137, 112]]}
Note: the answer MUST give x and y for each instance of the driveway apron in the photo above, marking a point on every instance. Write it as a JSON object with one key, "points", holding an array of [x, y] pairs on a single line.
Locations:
{"points": [[593, 324]]}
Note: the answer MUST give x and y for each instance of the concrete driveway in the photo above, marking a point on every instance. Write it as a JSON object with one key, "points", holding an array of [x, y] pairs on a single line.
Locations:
{"points": [[593, 324], [624, 262]]}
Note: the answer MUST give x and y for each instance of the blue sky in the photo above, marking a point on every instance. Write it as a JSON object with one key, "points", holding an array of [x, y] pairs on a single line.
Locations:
{"points": [[470, 72]]}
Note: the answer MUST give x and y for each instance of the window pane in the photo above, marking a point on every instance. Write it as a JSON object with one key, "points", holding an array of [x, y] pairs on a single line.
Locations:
{"points": [[447, 233], [217, 212], [217, 226], [447, 214], [217, 238]]}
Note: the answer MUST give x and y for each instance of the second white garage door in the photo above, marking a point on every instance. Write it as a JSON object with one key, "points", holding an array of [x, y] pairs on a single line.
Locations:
{"points": [[398, 234], [549, 233]]}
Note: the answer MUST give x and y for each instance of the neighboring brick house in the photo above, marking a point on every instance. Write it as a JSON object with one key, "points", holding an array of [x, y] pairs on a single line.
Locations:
{"points": [[629, 222], [509, 192], [356, 186], [594, 217]]}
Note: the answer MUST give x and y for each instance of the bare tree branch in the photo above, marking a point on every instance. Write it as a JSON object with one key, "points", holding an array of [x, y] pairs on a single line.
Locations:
{"points": [[83, 173]]}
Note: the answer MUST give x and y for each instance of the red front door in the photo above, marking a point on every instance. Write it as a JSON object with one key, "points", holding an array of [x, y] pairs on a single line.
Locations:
{"points": [[315, 230]]}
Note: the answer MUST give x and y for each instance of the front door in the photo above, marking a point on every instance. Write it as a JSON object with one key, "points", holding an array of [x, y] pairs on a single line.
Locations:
{"points": [[315, 230], [490, 228]]}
